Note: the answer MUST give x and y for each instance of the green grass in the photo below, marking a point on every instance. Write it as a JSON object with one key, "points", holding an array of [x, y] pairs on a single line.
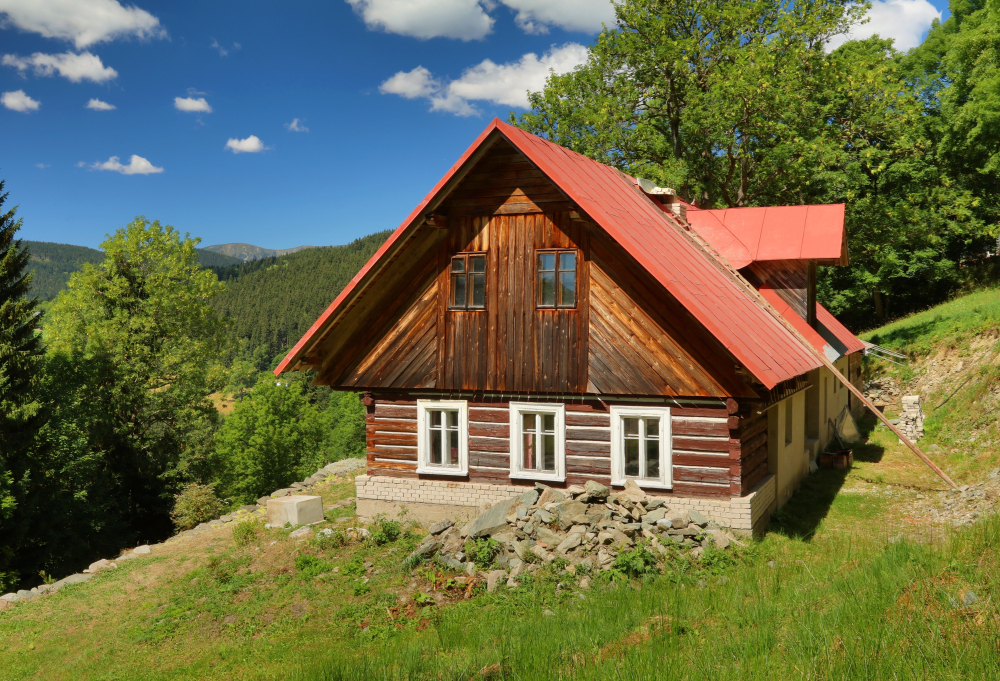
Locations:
{"points": [[946, 324]]}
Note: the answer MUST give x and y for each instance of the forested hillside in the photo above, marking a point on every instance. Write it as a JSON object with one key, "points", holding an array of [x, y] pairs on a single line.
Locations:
{"points": [[247, 252], [53, 263], [271, 302]]}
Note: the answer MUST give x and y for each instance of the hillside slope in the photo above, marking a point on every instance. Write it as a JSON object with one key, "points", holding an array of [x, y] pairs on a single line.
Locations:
{"points": [[271, 302], [53, 264], [246, 252]]}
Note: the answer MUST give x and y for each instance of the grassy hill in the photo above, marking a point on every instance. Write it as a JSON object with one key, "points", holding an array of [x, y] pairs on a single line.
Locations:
{"points": [[53, 264], [273, 301]]}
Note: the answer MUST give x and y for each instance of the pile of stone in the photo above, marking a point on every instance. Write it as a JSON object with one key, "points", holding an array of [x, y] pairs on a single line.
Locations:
{"points": [[882, 391], [911, 420], [585, 525]]}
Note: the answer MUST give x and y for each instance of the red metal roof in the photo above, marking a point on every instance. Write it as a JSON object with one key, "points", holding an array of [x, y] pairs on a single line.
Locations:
{"points": [[745, 235], [851, 342], [727, 306]]}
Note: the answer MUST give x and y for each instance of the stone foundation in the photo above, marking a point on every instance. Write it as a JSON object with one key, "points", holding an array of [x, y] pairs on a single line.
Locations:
{"points": [[428, 501]]}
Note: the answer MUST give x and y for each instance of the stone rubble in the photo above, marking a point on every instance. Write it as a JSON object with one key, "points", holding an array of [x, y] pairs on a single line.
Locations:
{"points": [[911, 420], [585, 525]]}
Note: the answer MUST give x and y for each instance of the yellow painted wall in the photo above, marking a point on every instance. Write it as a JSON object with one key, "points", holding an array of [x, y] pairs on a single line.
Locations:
{"points": [[788, 461]]}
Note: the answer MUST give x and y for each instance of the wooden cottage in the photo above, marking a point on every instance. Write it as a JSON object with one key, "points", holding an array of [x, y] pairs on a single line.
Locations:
{"points": [[542, 317]]}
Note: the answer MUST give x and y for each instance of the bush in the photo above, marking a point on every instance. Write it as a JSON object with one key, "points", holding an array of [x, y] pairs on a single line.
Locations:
{"points": [[195, 504], [385, 531], [482, 551], [245, 532], [637, 562]]}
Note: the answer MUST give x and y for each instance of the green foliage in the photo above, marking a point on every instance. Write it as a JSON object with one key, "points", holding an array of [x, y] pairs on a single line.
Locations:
{"points": [[483, 551], [385, 531], [195, 504], [355, 567], [245, 532], [310, 567], [272, 302], [637, 562], [420, 598], [360, 588]]}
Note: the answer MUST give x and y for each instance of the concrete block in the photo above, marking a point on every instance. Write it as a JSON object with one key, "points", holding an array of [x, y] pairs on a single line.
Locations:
{"points": [[297, 509]]}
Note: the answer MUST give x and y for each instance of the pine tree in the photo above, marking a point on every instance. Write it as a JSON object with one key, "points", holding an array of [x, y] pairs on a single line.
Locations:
{"points": [[20, 366]]}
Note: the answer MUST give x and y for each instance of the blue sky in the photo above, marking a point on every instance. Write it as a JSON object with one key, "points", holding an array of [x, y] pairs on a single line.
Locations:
{"points": [[385, 95]]}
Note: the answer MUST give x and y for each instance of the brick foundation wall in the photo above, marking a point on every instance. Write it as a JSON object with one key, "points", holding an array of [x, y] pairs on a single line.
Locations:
{"points": [[739, 513]]}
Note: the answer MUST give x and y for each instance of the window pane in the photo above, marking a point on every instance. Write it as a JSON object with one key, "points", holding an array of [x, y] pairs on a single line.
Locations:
{"points": [[550, 453], [478, 290], [477, 263], [567, 261], [652, 459], [453, 447], [549, 423], [458, 264], [458, 290], [632, 458], [452, 419], [528, 455], [567, 289], [436, 447], [631, 426], [435, 419], [547, 288], [528, 422], [546, 262], [652, 427]]}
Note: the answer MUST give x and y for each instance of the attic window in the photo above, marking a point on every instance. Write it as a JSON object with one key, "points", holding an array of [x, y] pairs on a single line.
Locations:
{"points": [[468, 282], [557, 279]]}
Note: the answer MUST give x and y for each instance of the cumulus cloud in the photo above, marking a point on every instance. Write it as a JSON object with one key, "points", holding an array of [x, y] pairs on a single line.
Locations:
{"points": [[296, 126], [535, 16], [905, 21], [137, 166], [198, 105], [82, 22], [74, 67], [250, 145], [18, 101], [98, 105], [506, 84], [224, 51], [42, 166], [462, 19]]}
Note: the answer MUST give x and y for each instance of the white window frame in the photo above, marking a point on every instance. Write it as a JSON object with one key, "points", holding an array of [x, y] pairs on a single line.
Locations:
{"points": [[517, 410], [424, 437], [618, 450]]}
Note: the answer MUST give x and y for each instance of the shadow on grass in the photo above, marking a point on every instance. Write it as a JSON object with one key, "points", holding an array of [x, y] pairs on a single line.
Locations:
{"points": [[810, 504]]}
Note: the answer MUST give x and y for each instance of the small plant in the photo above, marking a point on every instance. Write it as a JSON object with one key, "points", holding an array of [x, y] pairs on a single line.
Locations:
{"points": [[361, 588], [423, 599], [385, 531], [355, 566], [246, 531], [46, 578], [483, 551], [195, 504], [531, 557], [637, 562], [310, 566]]}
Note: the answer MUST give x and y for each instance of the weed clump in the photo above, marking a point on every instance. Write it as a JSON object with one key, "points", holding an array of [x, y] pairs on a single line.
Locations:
{"points": [[385, 531], [483, 551], [247, 531], [637, 562], [310, 567]]}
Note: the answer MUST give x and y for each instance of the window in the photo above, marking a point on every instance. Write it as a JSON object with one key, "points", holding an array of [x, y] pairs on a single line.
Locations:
{"points": [[788, 421], [640, 446], [557, 279], [468, 282], [443, 437], [538, 441]]}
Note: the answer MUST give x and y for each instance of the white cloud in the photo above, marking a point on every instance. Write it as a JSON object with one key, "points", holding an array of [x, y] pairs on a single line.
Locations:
{"points": [[535, 16], [250, 145], [18, 101], [296, 126], [137, 166], [198, 105], [74, 67], [462, 19], [223, 51], [82, 22], [42, 166], [506, 84], [905, 21], [98, 105]]}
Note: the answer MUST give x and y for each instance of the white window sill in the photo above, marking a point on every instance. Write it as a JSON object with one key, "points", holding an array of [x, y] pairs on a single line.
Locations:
{"points": [[534, 475], [643, 484], [442, 470]]}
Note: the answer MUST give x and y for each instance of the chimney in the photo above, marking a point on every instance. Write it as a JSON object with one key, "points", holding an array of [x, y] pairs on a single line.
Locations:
{"points": [[667, 196]]}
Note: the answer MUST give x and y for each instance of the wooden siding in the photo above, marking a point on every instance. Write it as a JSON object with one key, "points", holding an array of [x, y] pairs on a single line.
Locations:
{"points": [[750, 451], [702, 445], [788, 278]]}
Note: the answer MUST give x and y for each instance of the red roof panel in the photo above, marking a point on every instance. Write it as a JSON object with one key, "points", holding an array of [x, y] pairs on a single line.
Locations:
{"points": [[850, 341]]}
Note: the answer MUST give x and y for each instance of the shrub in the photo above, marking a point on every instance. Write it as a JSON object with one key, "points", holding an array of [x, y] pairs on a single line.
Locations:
{"points": [[637, 562], [385, 531], [195, 504], [246, 531], [482, 551]]}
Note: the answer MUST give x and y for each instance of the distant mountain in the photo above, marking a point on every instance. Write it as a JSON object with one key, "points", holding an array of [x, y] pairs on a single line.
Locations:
{"points": [[53, 263], [247, 252]]}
